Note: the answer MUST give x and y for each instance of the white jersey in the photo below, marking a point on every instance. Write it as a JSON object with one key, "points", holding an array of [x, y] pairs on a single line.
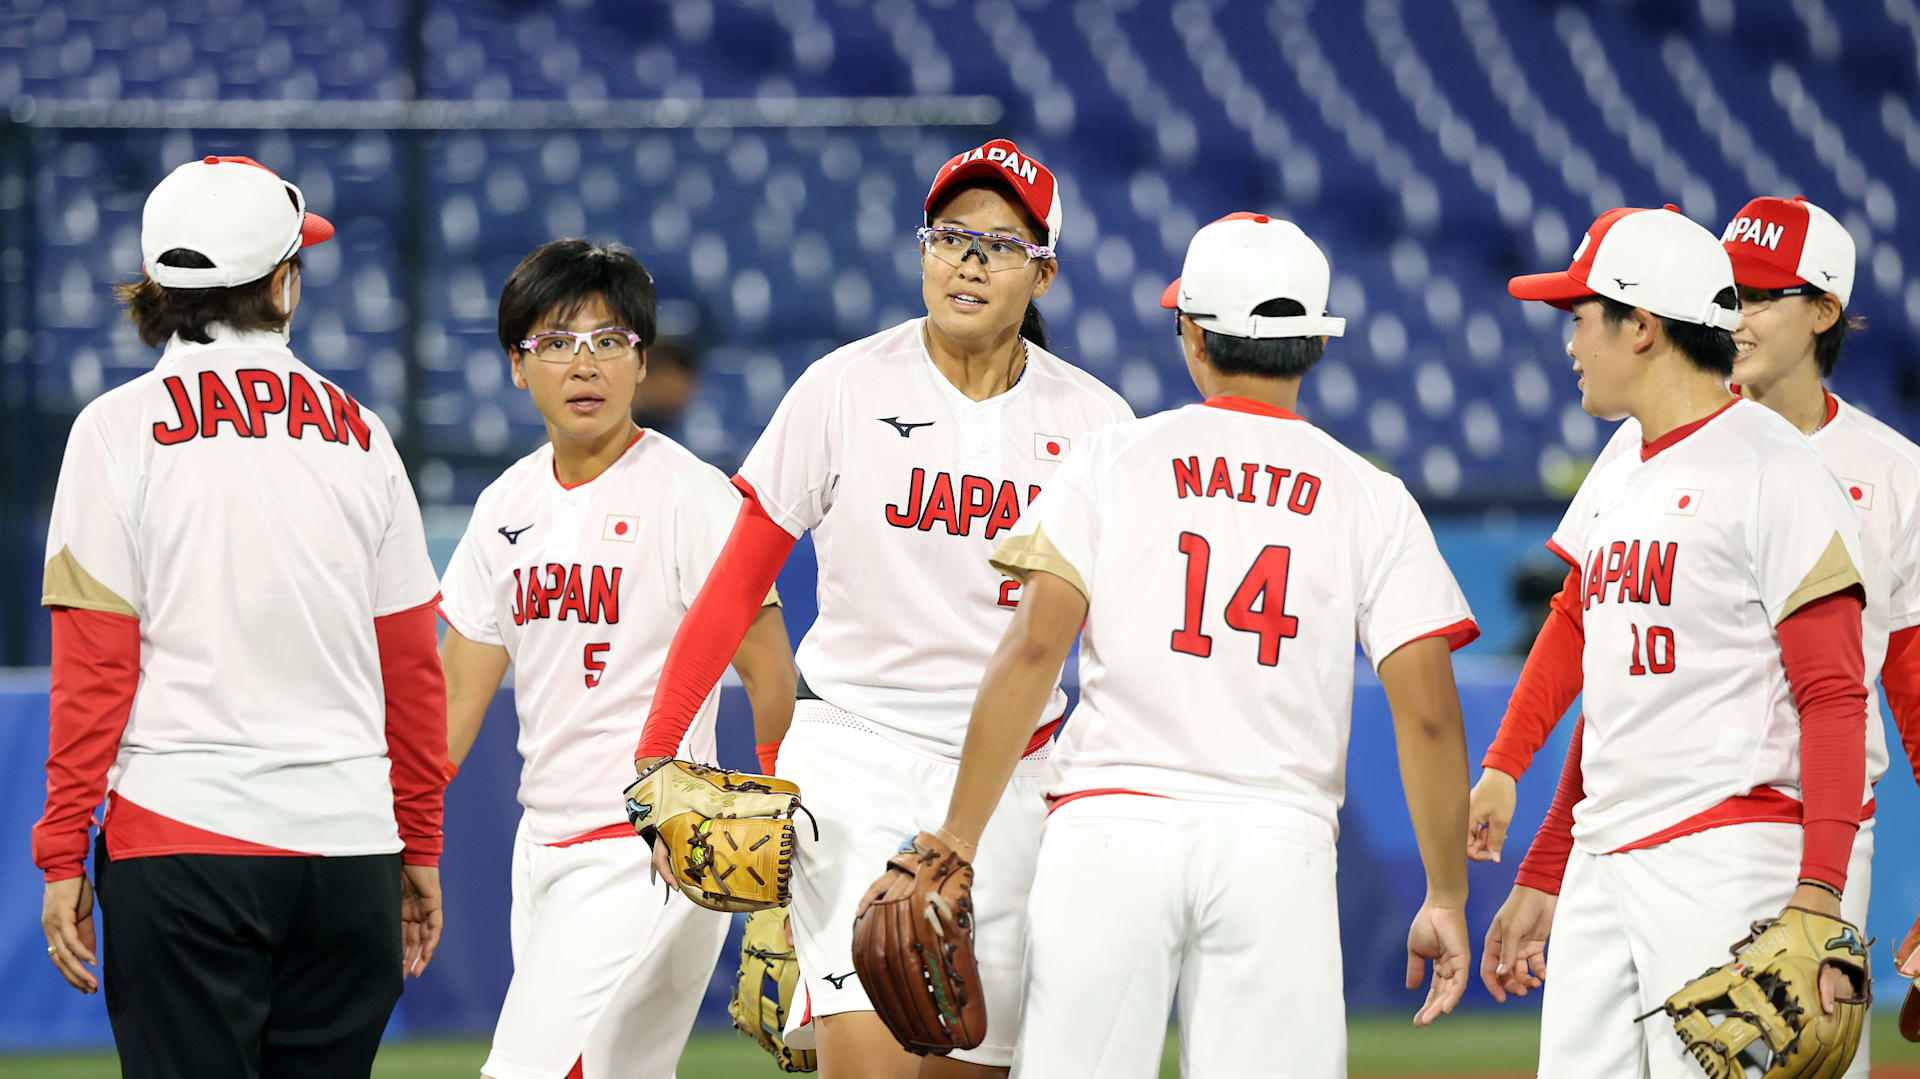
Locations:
{"points": [[1880, 471], [907, 485], [256, 520], [584, 586], [1232, 554], [1692, 551]]}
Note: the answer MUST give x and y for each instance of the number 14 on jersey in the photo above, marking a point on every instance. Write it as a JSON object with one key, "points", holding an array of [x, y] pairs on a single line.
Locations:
{"points": [[1257, 606]]}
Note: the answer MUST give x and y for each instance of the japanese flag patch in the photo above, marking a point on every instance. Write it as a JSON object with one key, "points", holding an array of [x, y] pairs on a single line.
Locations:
{"points": [[620, 528], [1685, 501], [1050, 447], [1860, 491]]}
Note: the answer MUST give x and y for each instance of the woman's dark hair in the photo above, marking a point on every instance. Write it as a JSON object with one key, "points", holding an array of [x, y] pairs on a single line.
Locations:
{"points": [[1032, 326], [1826, 345], [1268, 357], [559, 278], [1709, 348], [160, 313]]}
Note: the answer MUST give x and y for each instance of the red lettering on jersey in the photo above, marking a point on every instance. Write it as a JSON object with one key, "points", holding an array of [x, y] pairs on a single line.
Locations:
{"points": [[551, 588], [346, 418], [251, 381], [940, 507], [1247, 472], [217, 406], [1629, 575], [188, 424], [1033, 492], [1006, 509], [1593, 592], [603, 599], [908, 517], [976, 499], [1656, 579], [519, 600], [575, 597], [1306, 491], [1186, 477], [304, 411], [1222, 479], [1616, 554], [1273, 486]]}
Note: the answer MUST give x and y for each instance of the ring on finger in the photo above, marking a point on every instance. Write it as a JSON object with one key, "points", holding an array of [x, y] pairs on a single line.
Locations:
{"points": [[51, 951]]}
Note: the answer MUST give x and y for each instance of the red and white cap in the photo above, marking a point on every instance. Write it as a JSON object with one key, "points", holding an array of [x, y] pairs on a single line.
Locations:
{"points": [[1243, 260], [237, 212], [1656, 259], [1779, 243], [1001, 160]]}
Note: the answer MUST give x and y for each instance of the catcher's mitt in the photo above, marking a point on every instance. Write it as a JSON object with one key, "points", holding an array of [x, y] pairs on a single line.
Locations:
{"points": [[769, 979], [913, 949], [1763, 1009], [730, 834], [1910, 1009]]}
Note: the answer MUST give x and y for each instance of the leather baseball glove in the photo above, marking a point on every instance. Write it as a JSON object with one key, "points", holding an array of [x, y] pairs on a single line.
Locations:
{"points": [[1910, 1009], [1764, 1007], [913, 949], [730, 834], [769, 981]]}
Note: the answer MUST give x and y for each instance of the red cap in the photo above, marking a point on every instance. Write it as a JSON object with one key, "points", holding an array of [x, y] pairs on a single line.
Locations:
{"points": [[1779, 243], [1562, 288], [1001, 160]]}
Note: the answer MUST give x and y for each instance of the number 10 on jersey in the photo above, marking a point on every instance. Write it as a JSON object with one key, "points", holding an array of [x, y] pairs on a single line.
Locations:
{"points": [[1265, 584]]}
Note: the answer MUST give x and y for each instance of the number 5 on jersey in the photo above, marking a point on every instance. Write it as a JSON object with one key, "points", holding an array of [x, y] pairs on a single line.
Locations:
{"points": [[593, 657], [1265, 583]]}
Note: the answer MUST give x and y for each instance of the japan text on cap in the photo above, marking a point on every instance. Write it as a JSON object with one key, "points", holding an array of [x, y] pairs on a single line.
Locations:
{"points": [[1244, 260], [1780, 243], [1001, 160], [236, 212], [1656, 259]]}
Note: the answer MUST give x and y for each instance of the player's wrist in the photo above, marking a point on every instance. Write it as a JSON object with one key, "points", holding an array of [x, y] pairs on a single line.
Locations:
{"points": [[966, 849]]}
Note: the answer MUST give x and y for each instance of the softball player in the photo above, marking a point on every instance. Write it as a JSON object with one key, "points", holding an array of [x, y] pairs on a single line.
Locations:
{"points": [[1225, 559], [1718, 581], [909, 454], [576, 565], [243, 662], [1789, 338]]}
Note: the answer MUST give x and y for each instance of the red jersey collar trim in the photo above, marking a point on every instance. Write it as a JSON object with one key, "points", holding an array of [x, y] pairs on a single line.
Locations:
{"points": [[1249, 405], [1833, 407], [1673, 437], [565, 486]]}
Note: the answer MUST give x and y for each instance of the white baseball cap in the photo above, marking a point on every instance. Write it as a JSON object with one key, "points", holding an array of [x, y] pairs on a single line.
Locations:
{"points": [[1780, 243], [1656, 259], [1243, 260], [235, 211]]}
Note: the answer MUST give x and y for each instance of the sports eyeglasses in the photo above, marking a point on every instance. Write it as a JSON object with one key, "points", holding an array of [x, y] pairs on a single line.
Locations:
{"points": [[952, 246], [606, 344], [1179, 314], [1755, 300]]}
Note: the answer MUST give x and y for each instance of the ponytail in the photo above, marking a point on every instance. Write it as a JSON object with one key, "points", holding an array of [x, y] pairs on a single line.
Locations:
{"points": [[1033, 327]]}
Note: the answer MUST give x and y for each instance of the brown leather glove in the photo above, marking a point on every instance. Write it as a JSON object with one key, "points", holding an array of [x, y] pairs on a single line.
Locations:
{"points": [[913, 949]]}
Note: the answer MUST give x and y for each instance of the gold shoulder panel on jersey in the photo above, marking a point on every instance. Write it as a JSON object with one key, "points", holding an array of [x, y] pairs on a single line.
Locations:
{"points": [[1019, 555], [68, 584], [1832, 572]]}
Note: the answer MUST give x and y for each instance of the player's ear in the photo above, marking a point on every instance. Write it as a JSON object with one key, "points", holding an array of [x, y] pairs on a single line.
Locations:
{"points": [[640, 375], [514, 361], [1646, 329], [1826, 312], [1044, 279]]}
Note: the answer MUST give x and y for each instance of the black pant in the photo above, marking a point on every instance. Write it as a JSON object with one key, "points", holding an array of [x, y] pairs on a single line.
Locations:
{"points": [[221, 966]]}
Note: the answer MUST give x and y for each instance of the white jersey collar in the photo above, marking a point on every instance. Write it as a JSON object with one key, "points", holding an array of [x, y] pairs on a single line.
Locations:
{"points": [[223, 337]]}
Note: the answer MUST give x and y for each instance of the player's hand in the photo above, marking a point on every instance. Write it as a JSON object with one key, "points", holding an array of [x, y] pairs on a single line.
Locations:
{"points": [[66, 916], [420, 917], [876, 890], [1834, 985], [1489, 811], [1439, 935], [1514, 958], [663, 863]]}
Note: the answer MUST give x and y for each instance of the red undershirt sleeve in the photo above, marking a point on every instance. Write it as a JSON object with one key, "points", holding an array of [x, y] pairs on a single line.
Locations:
{"points": [[416, 698], [1900, 676], [96, 669], [716, 623], [1546, 860], [1820, 648], [1549, 682]]}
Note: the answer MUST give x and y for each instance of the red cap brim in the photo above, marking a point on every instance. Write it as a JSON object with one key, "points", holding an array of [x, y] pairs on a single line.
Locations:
{"points": [[1559, 289], [315, 229], [988, 170], [1170, 299], [1758, 273]]}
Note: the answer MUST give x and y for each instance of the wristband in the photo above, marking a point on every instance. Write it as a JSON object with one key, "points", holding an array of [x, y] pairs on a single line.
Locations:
{"points": [[1823, 886]]}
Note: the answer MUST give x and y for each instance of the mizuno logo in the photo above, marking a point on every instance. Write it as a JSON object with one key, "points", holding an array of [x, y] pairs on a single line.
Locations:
{"points": [[838, 980], [1625, 284], [1827, 275], [514, 535], [905, 429]]}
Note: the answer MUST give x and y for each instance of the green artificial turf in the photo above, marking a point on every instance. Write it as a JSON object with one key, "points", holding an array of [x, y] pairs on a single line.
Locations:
{"points": [[1484, 1044]]}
